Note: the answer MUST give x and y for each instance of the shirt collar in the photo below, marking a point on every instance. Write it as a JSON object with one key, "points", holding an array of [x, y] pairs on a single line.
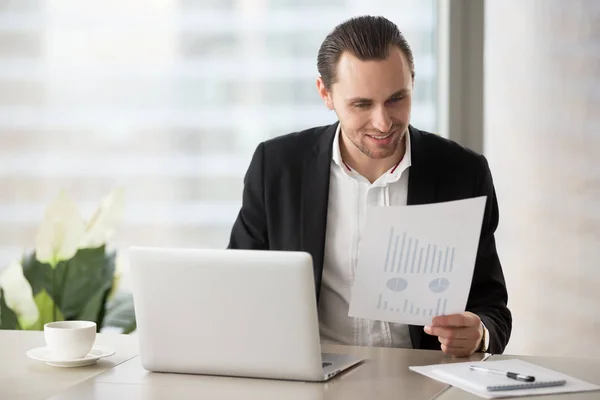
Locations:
{"points": [[392, 175], [336, 153]]}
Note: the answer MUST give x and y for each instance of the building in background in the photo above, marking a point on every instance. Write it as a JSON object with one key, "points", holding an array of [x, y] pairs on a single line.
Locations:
{"points": [[167, 99]]}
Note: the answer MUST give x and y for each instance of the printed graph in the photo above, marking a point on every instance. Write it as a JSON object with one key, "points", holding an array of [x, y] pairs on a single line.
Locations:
{"points": [[406, 306], [439, 285], [398, 284], [405, 254], [416, 263]]}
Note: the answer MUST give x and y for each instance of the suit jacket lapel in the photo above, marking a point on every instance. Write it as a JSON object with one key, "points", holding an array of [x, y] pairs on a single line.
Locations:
{"points": [[421, 190], [315, 198]]}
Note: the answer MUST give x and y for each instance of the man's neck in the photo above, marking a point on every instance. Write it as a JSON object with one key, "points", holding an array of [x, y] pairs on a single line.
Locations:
{"points": [[368, 167]]}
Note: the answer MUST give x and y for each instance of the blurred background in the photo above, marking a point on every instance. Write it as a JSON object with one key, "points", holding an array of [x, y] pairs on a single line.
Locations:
{"points": [[169, 98]]}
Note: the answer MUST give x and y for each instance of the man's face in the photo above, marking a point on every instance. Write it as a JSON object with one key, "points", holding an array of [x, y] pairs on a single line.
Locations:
{"points": [[372, 100]]}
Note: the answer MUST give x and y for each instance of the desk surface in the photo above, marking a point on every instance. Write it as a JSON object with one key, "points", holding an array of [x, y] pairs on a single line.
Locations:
{"points": [[384, 375], [22, 378]]}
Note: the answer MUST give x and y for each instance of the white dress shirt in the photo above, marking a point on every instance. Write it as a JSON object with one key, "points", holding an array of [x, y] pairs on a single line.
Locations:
{"points": [[349, 195]]}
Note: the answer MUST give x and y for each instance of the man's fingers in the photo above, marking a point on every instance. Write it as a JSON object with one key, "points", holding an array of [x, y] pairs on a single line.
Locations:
{"points": [[460, 343], [458, 334], [451, 333], [456, 320]]}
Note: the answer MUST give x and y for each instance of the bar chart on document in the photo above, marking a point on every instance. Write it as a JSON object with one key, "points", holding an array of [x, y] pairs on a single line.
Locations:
{"points": [[416, 262]]}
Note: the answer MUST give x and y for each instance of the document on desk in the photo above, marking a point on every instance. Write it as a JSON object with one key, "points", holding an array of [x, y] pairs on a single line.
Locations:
{"points": [[495, 385], [416, 262]]}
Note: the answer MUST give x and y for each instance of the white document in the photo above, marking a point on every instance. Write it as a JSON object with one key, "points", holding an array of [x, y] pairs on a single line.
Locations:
{"points": [[416, 262], [491, 386]]}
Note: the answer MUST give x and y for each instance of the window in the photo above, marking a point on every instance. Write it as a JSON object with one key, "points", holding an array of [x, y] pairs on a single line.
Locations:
{"points": [[167, 99]]}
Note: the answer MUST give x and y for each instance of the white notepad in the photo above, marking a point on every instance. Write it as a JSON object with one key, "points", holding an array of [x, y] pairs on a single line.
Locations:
{"points": [[491, 386]]}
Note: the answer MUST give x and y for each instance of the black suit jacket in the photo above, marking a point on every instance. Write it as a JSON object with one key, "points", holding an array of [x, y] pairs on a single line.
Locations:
{"points": [[285, 197]]}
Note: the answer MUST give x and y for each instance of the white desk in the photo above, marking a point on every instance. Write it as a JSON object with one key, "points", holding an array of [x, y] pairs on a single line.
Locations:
{"points": [[384, 375], [22, 378]]}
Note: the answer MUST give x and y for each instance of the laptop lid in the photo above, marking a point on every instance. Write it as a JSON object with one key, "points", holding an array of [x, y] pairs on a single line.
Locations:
{"points": [[226, 312]]}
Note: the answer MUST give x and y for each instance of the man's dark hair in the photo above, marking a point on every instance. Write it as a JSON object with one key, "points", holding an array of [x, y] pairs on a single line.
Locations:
{"points": [[367, 38]]}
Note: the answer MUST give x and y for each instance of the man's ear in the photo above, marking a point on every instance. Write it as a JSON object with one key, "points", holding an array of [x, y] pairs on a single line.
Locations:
{"points": [[324, 93]]}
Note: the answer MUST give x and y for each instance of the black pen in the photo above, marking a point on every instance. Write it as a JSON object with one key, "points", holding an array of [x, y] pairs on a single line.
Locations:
{"points": [[511, 375]]}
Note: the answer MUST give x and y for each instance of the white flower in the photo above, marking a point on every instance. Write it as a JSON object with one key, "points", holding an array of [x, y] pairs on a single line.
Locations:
{"points": [[103, 223], [61, 231], [18, 295]]}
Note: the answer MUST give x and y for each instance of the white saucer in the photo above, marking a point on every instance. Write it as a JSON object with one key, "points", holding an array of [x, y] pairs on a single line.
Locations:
{"points": [[43, 354]]}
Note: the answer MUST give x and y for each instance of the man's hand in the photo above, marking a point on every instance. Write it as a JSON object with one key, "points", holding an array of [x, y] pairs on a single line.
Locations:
{"points": [[459, 334]]}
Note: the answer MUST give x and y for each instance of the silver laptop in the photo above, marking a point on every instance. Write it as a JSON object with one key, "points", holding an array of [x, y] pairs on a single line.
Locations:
{"points": [[246, 313]]}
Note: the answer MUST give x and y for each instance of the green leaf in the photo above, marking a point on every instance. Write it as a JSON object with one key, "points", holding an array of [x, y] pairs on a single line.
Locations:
{"points": [[83, 283], [120, 312], [93, 310], [38, 274], [8, 319], [45, 305]]}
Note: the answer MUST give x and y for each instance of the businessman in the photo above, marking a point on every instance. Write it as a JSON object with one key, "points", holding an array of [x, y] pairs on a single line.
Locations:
{"points": [[308, 191]]}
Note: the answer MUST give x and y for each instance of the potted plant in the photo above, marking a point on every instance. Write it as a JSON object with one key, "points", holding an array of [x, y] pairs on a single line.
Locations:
{"points": [[71, 274]]}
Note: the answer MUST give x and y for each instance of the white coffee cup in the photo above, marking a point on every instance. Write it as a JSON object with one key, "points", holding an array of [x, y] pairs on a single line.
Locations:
{"points": [[69, 340]]}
